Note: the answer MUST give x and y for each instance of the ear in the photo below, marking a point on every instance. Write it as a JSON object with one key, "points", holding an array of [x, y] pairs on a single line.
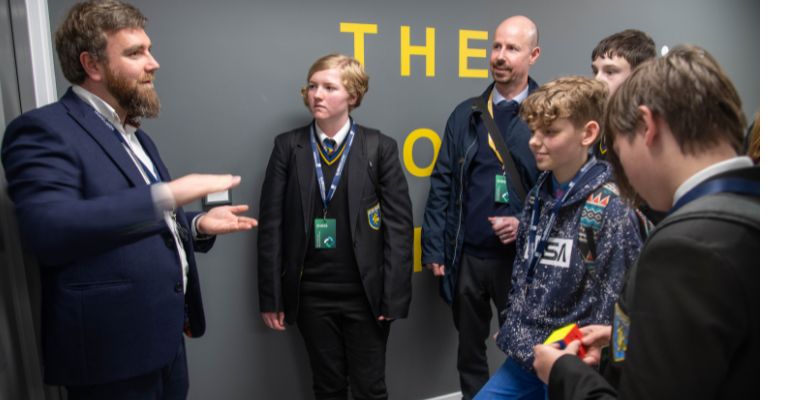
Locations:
{"points": [[534, 55], [651, 128], [590, 133], [92, 66]]}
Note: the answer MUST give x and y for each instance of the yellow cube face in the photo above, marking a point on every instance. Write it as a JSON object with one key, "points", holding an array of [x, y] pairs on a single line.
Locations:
{"points": [[560, 333]]}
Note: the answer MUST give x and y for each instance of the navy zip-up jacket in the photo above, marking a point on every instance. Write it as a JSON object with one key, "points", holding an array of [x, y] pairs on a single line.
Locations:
{"points": [[443, 225]]}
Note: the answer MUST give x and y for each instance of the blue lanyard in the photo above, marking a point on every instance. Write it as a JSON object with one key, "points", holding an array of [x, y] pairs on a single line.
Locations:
{"points": [[326, 198], [534, 222], [152, 176], [714, 186]]}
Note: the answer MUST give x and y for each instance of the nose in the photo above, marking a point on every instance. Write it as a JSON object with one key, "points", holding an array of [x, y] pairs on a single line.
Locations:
{"points": [[601, 76], [152, 64], [498, 54], [536, 140]]}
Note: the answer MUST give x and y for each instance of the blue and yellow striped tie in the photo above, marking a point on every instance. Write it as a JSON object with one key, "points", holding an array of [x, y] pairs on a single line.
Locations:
{"points": [[330, 145]]}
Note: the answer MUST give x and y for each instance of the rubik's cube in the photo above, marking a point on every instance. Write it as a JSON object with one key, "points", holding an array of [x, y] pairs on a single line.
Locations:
{"points": [[564, 335]]}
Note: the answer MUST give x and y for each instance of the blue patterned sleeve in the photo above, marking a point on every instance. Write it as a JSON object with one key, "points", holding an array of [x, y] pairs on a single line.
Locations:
{"points": [[618, 248]]}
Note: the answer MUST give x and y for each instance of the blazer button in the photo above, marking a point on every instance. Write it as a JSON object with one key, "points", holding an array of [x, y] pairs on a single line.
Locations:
{"points": [[169, 241], [178, 288]]}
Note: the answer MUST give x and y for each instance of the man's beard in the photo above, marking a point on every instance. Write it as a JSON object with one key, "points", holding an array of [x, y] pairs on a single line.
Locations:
{"points": [[137, 101]]}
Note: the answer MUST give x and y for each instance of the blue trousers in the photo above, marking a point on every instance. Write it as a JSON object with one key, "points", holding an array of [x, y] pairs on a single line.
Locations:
{"points": [[512, 381]]}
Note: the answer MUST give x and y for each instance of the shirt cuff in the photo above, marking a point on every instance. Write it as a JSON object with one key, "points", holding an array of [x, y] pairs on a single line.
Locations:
{"points": [[163, 200], [195, 232]]}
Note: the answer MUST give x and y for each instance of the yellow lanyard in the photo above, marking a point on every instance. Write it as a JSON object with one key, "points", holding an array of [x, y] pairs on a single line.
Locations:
{"points": [[491, 142]]}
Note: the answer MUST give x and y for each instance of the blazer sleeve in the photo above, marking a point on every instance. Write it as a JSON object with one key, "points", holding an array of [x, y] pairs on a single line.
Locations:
{"points": [[618, 247], [687, 318], [434, 221], [270, 226], [398, 234], [571, 379], [58, 222]]}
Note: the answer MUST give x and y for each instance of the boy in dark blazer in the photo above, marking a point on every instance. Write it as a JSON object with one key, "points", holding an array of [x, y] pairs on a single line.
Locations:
{"points": [[687, 322]]}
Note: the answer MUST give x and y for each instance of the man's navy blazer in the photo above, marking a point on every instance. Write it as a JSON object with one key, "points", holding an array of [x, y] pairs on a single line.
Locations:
{"points": [[113, 304]]}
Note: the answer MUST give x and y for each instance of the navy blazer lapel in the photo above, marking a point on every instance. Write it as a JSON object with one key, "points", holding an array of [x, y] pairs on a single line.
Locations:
{"points": [[304, 162], [356, 174], [93, 124], [152, 152]]}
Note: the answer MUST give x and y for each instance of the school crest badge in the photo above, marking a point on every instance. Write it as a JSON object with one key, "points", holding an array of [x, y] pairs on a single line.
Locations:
{"points": [[619, 339], [374, 217]]}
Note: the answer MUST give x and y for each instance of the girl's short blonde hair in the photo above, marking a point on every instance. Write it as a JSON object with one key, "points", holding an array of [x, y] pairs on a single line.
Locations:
{"points": [[354, 79]]}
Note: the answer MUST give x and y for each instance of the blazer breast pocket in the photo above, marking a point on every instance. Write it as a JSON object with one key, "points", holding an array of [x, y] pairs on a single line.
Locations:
{"points": [[98, 285]]}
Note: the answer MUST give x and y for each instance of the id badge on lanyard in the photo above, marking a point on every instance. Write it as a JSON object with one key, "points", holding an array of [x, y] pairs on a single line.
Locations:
{"points": [[500, 182], [534, 246], [325, 228], [324, 233], [500, 189]]}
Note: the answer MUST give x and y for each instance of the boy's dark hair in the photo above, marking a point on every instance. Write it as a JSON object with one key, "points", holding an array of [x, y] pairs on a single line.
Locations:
{"points": [[689, 91], [85, 29], [753, 139], [633, 45]]}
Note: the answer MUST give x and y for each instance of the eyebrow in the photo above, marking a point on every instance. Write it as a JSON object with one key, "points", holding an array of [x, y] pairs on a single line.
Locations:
{"points": [[324, 82], [134, 49]]}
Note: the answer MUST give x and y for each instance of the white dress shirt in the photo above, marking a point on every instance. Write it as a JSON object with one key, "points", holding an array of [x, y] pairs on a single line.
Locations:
{"points": [[339, 137], [497, 97], [714, 169], [163, 200]]}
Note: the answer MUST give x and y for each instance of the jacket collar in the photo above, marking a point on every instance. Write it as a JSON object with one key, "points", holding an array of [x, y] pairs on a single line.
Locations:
{"points": [[96, 128], [475, 115], [595, 177], [532, 86]]}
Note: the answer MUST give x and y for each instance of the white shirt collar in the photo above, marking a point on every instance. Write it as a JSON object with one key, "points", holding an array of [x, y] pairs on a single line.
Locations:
{"points": [[497, 97], [338, 137], [134, 147], [105, 109], [714, 169]]}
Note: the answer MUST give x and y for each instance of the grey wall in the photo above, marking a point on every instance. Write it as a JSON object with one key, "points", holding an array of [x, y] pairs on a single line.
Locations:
{"points": [[20, 369], [229, 82]]}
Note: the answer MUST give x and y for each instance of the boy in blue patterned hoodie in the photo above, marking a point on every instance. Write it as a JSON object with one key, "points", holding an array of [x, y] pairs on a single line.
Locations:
{"points": [[591, 235]]}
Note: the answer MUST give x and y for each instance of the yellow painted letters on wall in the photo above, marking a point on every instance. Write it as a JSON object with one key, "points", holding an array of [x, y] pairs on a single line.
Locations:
{"points": [[428, 50], [358, 31], [408, 151], [465, 53]]}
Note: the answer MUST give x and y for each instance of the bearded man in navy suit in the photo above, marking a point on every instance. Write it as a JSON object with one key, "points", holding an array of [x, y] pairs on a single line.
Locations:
{"points": [[98, 208]]}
